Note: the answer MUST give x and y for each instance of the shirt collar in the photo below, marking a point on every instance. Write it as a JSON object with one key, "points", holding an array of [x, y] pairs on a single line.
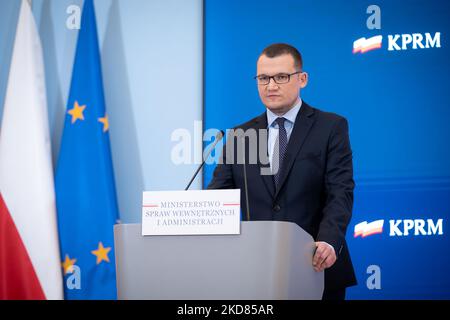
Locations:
{"points": [[291, 115]]}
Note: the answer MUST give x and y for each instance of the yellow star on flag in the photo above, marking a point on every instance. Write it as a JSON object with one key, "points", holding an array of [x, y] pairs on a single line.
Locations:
{"points": [[76, 112], [68, 264], [105, 122], [101, 253]]}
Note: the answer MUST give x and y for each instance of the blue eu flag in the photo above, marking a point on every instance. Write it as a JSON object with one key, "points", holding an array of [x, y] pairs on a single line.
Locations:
{"points": [[85, 191]]}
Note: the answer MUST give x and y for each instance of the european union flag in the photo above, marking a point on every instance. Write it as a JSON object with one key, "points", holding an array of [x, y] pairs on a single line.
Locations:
{"points": [[85, 191]]}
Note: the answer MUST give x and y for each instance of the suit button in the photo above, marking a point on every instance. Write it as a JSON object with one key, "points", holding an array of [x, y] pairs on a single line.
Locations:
{"points": [[276, 208]]}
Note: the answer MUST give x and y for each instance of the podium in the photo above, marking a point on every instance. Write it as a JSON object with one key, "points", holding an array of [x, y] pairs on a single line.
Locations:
{"points": [[268, 260]]}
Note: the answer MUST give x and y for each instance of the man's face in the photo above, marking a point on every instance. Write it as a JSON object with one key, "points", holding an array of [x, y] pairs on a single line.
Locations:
{"points": [[279, 98]]}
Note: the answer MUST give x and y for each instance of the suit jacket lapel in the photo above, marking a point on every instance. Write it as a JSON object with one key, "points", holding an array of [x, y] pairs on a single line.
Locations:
{"points": [[303, 123]]}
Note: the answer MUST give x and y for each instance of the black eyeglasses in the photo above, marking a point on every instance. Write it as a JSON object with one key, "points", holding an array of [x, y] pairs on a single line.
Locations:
{"points": [[278, 78]]}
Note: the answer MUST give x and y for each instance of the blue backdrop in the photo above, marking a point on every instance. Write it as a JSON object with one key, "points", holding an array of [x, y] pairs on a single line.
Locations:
{"points": [[397, 105]]}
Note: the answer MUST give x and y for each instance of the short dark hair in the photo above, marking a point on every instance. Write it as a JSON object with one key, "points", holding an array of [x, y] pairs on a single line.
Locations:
{"points": [[279, 49]]}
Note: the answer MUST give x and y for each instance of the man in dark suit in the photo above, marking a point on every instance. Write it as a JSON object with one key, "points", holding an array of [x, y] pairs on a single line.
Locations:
{"points": [[310, 159]]}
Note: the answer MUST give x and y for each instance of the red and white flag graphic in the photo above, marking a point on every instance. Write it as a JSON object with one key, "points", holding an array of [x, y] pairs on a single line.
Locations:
{"points": [[365, 229], [363, 45]]}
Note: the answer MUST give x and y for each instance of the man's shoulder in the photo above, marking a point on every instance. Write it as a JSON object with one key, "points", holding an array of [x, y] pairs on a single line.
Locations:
{"points": [[326, 115], [257, 121]]}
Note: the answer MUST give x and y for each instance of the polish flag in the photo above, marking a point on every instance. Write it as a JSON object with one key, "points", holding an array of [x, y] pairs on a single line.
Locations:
{"points": [[363, 45], [30, 267], [365, 229]]}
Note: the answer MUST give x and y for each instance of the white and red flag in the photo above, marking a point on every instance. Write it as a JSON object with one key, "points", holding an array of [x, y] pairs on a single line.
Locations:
{"points": [[30, 267]]}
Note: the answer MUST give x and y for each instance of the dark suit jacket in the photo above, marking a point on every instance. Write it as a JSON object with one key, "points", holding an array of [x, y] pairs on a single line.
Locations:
{"points": [[316, 185]]}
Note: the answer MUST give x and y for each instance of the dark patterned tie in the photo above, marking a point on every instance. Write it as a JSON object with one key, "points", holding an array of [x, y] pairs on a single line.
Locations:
{"points": [[279, 149]]}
